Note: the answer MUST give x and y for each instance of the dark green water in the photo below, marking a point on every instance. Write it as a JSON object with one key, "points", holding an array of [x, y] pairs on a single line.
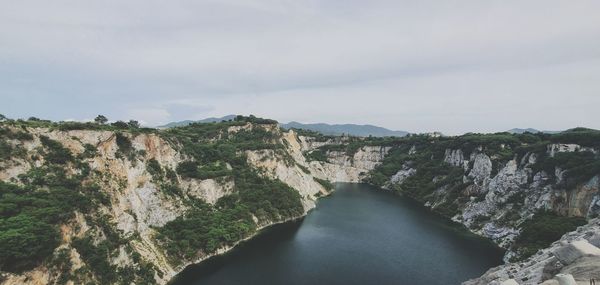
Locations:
{"points": [[359, 235]]}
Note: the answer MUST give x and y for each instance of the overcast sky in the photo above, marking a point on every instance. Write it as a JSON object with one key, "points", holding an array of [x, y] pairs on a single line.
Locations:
{"points": [[452, 66]]}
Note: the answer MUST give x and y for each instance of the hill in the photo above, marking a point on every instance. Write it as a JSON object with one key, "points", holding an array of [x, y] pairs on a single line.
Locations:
{"points": [[348, 129]]}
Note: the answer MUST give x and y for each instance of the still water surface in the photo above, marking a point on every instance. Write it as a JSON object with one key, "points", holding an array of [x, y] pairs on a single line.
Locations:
{"points": [[358, 235]]}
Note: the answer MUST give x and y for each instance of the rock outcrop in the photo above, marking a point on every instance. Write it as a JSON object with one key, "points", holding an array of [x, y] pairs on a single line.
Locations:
{"points": [[137, 205], [576, 253]]}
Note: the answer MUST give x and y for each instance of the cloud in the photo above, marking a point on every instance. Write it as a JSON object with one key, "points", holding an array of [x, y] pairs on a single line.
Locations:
{"points": [[408, 65]]}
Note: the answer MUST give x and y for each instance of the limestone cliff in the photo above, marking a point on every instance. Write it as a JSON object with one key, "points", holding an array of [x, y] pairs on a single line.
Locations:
{"points": [[576, 253], [147, 203], [504, 188], [142, 188]]}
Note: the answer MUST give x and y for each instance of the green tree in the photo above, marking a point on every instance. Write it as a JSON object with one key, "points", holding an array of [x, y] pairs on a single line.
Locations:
{"points": [[120, 125], [133, 124], [100, 119]]}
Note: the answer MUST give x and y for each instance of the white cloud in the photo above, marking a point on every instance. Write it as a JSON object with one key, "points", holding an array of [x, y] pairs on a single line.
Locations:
{"points": [[405, 64]]}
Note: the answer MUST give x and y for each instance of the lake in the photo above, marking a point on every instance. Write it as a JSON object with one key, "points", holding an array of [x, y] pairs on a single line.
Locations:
{"points": [[359, 235]]}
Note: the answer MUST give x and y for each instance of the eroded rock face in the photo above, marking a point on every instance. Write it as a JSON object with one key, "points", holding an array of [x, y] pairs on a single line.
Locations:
{"points": [[575, 254], [403, 174], [553, 149], [482, 168], [137, 203], [454, 157], [209, 190]]}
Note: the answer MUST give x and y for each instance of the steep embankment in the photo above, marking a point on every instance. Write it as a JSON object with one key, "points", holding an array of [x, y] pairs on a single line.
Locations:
{"points": [[576, 253], [521, 191], [139, 205], [86, 203]]}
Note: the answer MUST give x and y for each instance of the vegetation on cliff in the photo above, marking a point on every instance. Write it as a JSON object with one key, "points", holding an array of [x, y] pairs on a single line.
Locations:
{"points": [[449, 188], [59, 184], [543, 229]]}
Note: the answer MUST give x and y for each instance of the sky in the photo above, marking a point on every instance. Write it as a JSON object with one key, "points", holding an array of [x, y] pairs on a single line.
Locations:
{"points": [[419, 66]]}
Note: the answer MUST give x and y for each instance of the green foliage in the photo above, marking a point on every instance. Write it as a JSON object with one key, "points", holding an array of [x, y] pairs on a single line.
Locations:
{"points": [[72, 126], [95, 256], [580, 136], [543, 229], [29, 223], [89, 151], [254, 120], [125, 147], [319, 137], [8, 133], [133, 124], [191, 169], [124, 143], [205, 228], [56, 152], [579, 167], [120, 125], [171, 189], [390, 165], [316, 155], [325, 183], [6, 150], [100, 119], [303, 168], [24, 241], [154, 168], [171, 175]]}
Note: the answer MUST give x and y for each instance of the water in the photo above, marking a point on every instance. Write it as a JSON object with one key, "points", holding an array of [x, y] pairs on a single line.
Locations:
{"points": [[359, 235]]}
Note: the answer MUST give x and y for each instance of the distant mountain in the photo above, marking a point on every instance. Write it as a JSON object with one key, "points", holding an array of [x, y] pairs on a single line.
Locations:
{"points": [[349, 129], [207, 120], [530, 130], [521, 131]]}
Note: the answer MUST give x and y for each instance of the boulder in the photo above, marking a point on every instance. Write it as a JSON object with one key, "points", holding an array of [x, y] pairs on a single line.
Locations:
{"points": [[574, 250]]}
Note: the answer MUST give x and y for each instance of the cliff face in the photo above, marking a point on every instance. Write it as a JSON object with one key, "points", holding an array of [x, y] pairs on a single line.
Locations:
{"points": [[136, 204], [151, 202], [576, 253], [521, 196]]}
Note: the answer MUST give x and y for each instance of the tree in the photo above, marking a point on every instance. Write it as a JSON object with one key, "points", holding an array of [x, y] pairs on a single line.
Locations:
{"points": [[133, 124], [100, 119], [120, 125], [2, 117]]}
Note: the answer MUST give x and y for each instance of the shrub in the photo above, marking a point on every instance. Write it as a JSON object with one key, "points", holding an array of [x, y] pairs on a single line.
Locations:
{"points": [[543, 229], [325, 183], [154, 168], [56, 152], [316, 155], [29, 223]]}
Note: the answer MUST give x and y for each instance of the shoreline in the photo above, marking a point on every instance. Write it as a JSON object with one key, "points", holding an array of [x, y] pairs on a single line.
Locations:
{"points": [[224, 250], [453, 225]]}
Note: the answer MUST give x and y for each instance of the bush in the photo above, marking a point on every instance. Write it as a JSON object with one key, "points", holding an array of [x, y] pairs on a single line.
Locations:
{"points": [[191, 169], [56, 152], [325, 183], [543, 229], [29, 222], [25, 241], [206, 228], [154, 168], [316, 155]]}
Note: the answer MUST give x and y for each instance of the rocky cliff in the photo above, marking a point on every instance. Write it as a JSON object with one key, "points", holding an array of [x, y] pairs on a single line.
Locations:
{"points": [[522, 192], [94, 203], [576, 253], [144, 189]]}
